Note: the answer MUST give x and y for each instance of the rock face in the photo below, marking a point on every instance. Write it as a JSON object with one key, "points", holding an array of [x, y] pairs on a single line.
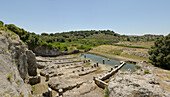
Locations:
{"points": [[34, 80], [14, 63], [32, 67], [45, 51], [139, 84]]}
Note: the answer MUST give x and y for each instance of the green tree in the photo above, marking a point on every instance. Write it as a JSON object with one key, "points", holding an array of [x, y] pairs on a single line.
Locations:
{"points": [[160, 52], [1, 24], [44, 34]]}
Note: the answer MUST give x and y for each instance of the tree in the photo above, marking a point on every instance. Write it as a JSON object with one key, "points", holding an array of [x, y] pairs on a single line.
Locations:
{"points": [[44, 34], [160, 52], [1, 24]]}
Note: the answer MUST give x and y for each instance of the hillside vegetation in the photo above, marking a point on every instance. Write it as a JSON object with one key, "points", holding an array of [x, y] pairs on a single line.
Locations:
{"points": [[85, 40], [160, 52], [75, 39]]}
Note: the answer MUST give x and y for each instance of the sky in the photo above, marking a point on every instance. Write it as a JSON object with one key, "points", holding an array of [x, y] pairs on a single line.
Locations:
{"points": [[130, 17]]}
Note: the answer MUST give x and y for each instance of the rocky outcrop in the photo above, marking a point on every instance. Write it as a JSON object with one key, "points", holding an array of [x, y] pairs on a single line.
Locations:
{"points": [[31, 60], [63, 83], [14, 63], [136, 84], [47, 52], [34, 80]]}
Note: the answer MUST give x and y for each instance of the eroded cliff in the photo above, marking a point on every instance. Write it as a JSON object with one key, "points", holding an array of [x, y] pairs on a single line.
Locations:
{"points": [[16, 62]]}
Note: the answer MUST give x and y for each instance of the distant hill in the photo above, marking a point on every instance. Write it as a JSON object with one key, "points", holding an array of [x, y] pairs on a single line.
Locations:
{"points": [[74, 39], [132, 35]]}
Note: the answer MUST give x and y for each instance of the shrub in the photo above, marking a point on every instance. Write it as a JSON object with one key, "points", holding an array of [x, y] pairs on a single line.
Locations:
{"points": [[1, 24], [146, 72], [9, 77], [160, 52]]}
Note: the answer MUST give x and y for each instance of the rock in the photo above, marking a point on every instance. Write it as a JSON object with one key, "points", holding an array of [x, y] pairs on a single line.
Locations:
{"points": [[47, 77], [43, 72], [47, 52], [40, 66], [127, 84], [153, 81], [87, 72], [62, 83], [60, 92], [47, 93], [34, 80], [32, 65], [13, 66]]}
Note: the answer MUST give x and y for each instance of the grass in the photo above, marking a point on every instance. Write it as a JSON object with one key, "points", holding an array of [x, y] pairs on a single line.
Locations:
{"points": [[9, 77], [122, 45], [6, 92], [146, 44], [33, 87], [146, 72], [138, 68], [115, 52], [134, 57], [39, 88], [106, 92], [16, 60], [5, 51], [164, 75], [17, 82]]}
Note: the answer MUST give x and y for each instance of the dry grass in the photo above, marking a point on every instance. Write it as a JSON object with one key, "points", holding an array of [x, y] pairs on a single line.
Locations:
{"points": [[117, 50], [134, 57], [143, 44], [163, 76], [40, 88]]}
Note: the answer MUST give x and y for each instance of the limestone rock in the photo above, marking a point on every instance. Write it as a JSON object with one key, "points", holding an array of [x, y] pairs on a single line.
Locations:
{"points": [[31, 60], [34, 80], [63, 83], [40, 66], [45, 51], [13, 66], [134, 85]]}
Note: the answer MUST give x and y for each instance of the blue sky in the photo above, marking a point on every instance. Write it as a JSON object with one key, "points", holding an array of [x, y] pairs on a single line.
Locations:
{"points": [[133, 17]]}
